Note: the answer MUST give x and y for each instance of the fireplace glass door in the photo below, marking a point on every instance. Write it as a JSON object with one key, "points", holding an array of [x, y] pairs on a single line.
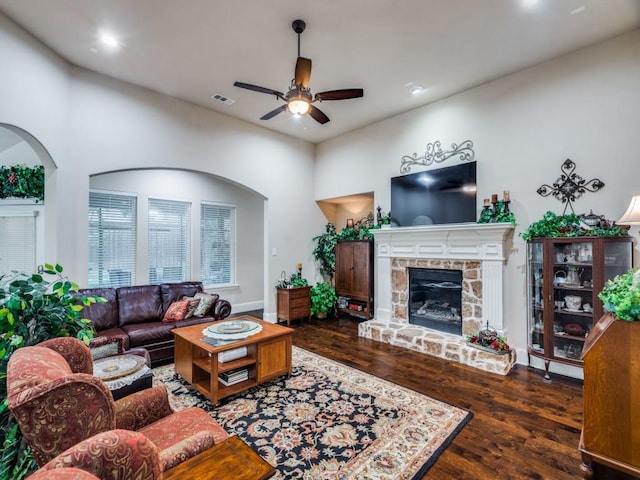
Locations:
{"points": [[435, 299]]}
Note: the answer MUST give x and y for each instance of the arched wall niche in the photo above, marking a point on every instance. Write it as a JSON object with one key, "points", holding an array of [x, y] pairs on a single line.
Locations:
{"points": [[194, 186], [20, 147]]}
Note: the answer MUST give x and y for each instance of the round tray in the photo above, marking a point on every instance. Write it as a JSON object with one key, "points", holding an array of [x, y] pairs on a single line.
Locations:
{"points": [[232, 329], [110, 368]]}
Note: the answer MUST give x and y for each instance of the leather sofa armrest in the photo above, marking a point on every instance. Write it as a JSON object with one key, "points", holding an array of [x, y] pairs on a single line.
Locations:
{"points": [[222, 309], [112, 455], [142, 408], [141, 352]]}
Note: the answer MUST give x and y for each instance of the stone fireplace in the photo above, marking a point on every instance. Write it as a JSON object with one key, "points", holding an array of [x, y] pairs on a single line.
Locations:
{"points": [[473, 252]]}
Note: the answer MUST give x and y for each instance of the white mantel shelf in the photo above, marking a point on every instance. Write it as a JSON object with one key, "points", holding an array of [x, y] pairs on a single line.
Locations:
{"points": [[458, 241]]}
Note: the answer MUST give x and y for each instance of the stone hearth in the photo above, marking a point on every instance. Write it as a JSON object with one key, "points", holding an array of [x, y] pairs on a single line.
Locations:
{"points": [[477, 250]]}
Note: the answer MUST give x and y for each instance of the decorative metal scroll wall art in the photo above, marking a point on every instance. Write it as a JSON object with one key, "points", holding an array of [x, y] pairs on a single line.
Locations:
{"points": [[569, 186], [435, 154]]}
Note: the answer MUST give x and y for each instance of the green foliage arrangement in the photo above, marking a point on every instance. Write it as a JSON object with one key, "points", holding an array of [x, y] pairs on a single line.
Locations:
{"points": [[32, 310], [324, 252], [20, 181], [552, 225], [293, 281], [323, 299], [503, 215], [621, 296]]}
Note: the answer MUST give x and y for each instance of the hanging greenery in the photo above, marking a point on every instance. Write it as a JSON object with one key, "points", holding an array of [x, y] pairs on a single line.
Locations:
{"points": [[20, 181]]}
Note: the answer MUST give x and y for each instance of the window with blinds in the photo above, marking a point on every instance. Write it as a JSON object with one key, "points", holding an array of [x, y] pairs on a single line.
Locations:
{"points": [[18, 243], [217, 244], [112, 239], [169, 241]]}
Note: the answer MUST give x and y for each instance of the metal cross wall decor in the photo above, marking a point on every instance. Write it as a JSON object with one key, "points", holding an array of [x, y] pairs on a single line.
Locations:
{"points": [[569, 186], [435, 154]]}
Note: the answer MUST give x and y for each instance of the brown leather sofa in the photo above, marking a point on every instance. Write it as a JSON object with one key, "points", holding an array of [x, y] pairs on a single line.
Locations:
{"points": [[134, 315]]}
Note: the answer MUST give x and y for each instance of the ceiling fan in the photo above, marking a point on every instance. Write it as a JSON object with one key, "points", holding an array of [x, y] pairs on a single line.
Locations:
{"points": [[299, 99]]}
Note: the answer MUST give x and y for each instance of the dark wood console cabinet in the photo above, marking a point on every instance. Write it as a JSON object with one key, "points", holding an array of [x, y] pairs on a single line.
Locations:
{"points": [[354, 276]]}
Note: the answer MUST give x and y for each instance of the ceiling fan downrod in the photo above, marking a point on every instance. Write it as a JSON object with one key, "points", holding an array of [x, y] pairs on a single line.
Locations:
{"points": [[298, 27]]}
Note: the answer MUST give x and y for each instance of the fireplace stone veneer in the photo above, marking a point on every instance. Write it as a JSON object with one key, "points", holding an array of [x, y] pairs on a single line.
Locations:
{"points": [[478, 250]]}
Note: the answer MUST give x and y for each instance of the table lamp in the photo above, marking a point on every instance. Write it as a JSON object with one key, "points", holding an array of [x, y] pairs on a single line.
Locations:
{"points": [[632, 215]]}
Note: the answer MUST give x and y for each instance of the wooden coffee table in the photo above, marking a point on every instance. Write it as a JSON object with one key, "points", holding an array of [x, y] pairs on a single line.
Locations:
{"points": [[196, 360], [231, 459]]}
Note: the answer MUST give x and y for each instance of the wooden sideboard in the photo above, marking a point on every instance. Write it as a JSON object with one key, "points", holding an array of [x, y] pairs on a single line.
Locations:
{"points": [[294, 303]]}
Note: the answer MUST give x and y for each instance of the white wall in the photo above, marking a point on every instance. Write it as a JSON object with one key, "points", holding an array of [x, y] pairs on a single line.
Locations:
{"points": [[92, 124], [584, 106]]}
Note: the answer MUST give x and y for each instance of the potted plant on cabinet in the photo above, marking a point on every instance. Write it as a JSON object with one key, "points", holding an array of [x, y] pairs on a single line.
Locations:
{"points": [[323, 299]]}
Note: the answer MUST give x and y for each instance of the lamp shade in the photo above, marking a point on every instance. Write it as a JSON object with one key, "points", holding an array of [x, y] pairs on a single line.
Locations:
{"points": [[632, 215]]}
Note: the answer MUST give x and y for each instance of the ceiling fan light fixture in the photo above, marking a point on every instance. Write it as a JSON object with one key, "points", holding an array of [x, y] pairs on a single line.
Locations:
{"points": [[298, 106]]}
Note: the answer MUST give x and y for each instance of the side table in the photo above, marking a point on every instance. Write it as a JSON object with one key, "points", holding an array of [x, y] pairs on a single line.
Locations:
{"points": [[231, 459], [294, 303], [123, 374]]}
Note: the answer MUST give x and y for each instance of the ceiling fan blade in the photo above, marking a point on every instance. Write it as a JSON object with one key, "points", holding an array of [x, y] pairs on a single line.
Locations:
{"points": [[303, 72], [273, 113], [318, 115], [256, 88], [343, 94]]}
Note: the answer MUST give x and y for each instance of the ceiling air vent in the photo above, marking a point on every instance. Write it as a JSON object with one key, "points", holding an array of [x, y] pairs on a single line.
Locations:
{"points": [[221, 98]]}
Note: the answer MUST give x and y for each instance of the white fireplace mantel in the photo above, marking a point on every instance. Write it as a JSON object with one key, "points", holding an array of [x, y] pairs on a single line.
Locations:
{"points": [[461, 241]]}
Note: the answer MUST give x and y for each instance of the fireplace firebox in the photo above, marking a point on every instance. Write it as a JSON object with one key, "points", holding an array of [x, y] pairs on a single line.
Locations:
{"points": [[435, 299]]}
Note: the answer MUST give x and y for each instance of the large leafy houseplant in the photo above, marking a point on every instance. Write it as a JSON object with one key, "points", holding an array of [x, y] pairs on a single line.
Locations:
{"points": [[621, 296], [324, 252], [33, 309], [323, 299]]}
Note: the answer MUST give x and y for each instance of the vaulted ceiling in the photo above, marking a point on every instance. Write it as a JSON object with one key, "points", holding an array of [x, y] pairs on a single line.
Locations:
{"points": [[193, 49]]}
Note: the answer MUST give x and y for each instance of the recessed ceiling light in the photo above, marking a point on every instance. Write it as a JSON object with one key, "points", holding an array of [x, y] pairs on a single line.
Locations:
{"points": [[529, 3], [109, 40], [416, 89]]}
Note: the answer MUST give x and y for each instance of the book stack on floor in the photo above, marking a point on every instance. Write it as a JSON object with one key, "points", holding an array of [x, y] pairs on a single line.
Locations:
{"points": [[233, 376], [234, 354]]}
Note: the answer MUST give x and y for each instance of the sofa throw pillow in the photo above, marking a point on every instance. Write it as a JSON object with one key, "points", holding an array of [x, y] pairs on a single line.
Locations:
{"points": [[176, 311], [193, 304], [207, 301]]}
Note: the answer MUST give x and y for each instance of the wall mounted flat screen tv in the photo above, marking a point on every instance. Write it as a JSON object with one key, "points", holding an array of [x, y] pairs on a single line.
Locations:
{"points": [[439, 196]]}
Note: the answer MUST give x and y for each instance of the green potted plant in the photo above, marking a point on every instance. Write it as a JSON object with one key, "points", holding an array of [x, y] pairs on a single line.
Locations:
{"points": [[324, 252], [621, 296], [323, 299], [32, 310]]}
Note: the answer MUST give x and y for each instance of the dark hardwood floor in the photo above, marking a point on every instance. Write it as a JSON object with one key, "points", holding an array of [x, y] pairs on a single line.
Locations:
{"points": [[522, 427]]}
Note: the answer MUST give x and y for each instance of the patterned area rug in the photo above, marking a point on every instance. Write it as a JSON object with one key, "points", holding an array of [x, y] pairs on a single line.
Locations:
{"points": [[330, 421]]}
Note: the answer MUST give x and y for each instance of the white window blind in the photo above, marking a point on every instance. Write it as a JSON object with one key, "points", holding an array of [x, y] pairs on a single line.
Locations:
{"points": [[169, 241], [112, 239], [18, 243], [217, 244]]}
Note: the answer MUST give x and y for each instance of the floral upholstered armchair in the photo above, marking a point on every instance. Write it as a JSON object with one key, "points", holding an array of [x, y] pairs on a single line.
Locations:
{"points": [[112, 455], [58, 403]]}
